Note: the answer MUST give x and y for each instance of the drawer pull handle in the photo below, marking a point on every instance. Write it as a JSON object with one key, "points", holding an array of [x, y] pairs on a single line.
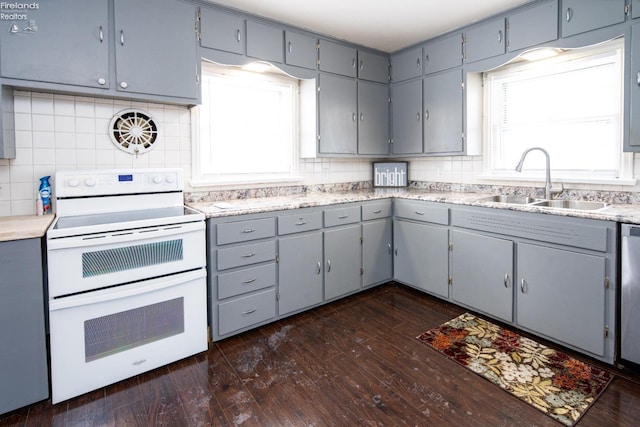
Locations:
{"points": [[301, 222], [523, 286], [248, 230], [328, 266], [318, 267], [419, 213], [343, 217], [389, 245], [506, 280], [377, 211], [246, 282], [250, 311], [249, 255]]}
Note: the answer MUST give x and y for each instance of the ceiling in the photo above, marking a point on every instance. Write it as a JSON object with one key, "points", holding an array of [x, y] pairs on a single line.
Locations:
{"points": [[380, 24]]}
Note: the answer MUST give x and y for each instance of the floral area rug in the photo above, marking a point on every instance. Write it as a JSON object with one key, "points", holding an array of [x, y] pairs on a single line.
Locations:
{"points": [[549, 380]]}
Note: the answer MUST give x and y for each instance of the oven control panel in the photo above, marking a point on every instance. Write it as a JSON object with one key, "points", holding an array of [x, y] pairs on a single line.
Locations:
{"points": [[88, 183]]}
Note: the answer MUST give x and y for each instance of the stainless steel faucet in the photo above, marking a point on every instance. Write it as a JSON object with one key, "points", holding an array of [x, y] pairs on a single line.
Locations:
{"points": [[547, 184]]}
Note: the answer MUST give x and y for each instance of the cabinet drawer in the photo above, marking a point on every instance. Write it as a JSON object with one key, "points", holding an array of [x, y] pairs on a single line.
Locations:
{"points": [[341, 216], [246, 280], [246, 255], [376, 210], [300, 222], [242, 231], [419, 211], [246, 311]]}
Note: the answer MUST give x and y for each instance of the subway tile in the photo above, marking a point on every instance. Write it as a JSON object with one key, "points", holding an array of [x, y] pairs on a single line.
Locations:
{"points": [[21, 174], [23, 207], [64, 123], [42, 122], [22, 104], [22, 121], [64, 106], [41, 105], [43, 140], [85, 124], [24, 139], [66, 140]]}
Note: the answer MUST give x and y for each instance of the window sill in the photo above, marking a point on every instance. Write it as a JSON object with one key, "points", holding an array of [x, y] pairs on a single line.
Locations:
{"points": [[581, 181], [234, 184]]}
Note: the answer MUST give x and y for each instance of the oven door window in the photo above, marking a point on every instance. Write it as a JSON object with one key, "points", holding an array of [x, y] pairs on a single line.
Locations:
{"points": [[118, 332], [124, 258]]}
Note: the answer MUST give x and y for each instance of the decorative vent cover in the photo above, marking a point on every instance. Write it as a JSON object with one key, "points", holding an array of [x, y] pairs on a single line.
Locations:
{"points": [[133, 131]]}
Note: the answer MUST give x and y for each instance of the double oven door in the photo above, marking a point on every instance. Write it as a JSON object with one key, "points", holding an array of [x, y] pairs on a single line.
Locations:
{"points": [[123, 303]]}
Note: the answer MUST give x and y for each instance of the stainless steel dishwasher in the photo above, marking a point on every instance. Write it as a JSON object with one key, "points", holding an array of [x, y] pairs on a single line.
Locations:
{"points": [[630, 297]]}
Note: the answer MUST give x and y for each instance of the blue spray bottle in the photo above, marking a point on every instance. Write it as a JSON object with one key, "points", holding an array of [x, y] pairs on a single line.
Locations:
{"points": [[45, 194]]}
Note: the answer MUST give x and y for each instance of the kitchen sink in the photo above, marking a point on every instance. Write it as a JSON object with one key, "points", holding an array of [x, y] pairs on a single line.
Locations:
{"points": [[582, 205], [513, 199]]}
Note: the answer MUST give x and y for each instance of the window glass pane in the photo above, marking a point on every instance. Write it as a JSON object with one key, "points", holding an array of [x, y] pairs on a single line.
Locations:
{"points": [[571, 106]]}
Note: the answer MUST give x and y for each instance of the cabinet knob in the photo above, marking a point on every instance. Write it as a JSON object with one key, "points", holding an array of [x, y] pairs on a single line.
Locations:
{"points": [[290, 47], [124, 85], [523, 286], [328, 266], [121, 37], [638, 78], [362, 117], [101, 34], [506, 280], [361, 64], [238, 35], [353, 117], [102, 81], [500, 36], [318, 268], [418, 117], [569, 14], [353, 63], [426, 115]]}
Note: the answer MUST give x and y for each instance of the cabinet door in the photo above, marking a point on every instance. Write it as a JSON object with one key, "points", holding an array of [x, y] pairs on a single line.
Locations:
{"points": [[421, 256], [265, 42], [337, 111], [561, 294], [634, 89], [443, 53], [635, 8], [579, 16], [373, 67], [300, 272], [485, 40], [406, 64], [443, 113], [221, 30], [406, 117], [377, 255], [342, 261], [532, 26], [482, 273], [142, 62], [301, 50], [373, 118], [337, 58], [23, 353], [51, 47]]}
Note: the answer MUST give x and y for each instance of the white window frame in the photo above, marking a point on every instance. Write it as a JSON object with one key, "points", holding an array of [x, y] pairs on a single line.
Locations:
{"points": [[200, 177], [625, 172]]}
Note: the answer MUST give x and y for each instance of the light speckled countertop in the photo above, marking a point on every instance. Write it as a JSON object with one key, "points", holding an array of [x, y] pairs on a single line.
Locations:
{"points": [[24, 226], [214, 209]]}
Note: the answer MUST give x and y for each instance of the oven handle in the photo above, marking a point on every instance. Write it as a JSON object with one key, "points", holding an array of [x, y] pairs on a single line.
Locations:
{"points": [[126, 291], [124, 236]]}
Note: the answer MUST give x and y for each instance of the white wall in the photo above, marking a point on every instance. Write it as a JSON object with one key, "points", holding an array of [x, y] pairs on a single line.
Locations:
{"points": [[57, 132]]}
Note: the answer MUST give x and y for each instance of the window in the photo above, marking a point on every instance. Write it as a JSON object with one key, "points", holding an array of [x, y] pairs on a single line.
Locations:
{"points": [[571, 105], [246, 128]]}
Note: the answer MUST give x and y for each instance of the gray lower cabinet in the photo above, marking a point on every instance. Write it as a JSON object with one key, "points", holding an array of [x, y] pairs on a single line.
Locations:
{"points": [[300, 272], [443, 96], [482, 273], [406, 117], [342, 261], [337, 115], [377, 251], [579, 16], [75, 54], [23, 353], [373, 118], [562, 294]]}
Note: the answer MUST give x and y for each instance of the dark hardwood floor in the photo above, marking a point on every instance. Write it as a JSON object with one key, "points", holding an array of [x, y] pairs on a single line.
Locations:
{"points": [[354, 362]]}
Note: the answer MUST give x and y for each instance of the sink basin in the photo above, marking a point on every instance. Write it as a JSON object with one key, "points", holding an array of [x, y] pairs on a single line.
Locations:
{"points": [[513, 199], [571, 204]]}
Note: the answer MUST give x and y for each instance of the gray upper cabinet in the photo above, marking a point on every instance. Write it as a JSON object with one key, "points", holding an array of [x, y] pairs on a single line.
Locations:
{"points": [[579, 16], [7, 124], [406, 117], [301, 50], [337, 58], [485, 40], [265, 42], [373, 67], [373, 118], [635, 8], [531, 26], [633, 143], [482, 273], [55, 51], [406, 64], [173, 31], [443, 53], [443, 113], [222, 30], [337, 115]]}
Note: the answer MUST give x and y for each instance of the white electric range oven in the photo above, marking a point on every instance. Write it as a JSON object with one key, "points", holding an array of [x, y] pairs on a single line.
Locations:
{"points": [[126, 277]]}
